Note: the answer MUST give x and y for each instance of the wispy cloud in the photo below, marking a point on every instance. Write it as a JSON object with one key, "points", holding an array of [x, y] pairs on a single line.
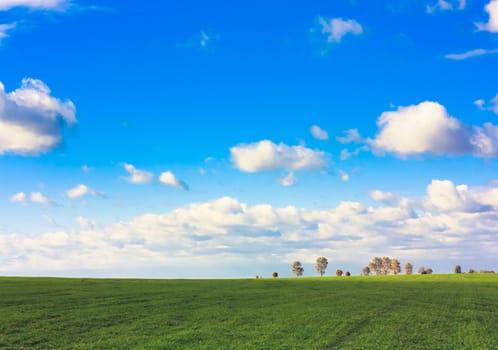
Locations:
{"points": [[470, 54], [5, 28], [336, 28], [319, 133], [446, 5], [492, 105], [34, 4]]}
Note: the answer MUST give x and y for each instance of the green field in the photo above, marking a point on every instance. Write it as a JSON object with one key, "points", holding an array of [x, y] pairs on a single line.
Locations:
{"points": [[393, 312]]}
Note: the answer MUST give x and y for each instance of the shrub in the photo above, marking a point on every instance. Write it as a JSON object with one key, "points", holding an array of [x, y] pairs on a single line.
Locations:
{"points": [[365, 271], [472, 271], [348, 274], [274, 274], [338, 272]]}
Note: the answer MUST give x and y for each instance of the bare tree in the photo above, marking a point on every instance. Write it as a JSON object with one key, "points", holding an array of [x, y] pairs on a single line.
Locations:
{"points": [[458, 269], [395, 266], [297, 268], [321, 265], [408, 268], [365, 271], [376, 265], [338, 272]]}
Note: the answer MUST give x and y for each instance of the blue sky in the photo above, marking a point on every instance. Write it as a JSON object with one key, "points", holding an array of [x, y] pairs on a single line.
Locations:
{"points": [[216, 139]]}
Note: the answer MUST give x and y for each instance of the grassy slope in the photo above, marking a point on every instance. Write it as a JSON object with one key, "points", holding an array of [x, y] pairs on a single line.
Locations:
{"points": [[397, 312]]}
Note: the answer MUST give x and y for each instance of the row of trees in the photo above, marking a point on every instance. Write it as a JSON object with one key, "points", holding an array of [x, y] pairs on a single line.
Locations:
{"points": [[378, 266], [387, 265]]}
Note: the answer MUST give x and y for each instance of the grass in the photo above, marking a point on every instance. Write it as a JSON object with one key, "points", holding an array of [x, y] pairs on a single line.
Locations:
{"points": [[393, 312]]}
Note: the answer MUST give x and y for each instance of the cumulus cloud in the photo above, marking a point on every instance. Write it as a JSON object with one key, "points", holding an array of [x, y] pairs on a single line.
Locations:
{"points": [[267, 156], [418, 129], [318, 133], [446, 5], [33, 4], [80, 191], [470, 54], [31, 119], [427, 128], [453, 220], [168, 178], [492, 25], [336, 28], [137, 176]]}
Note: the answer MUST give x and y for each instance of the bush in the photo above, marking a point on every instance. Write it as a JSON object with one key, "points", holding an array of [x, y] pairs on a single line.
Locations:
{"points": [[274, 274], [338, 272], [348, 274], [472, 271]]}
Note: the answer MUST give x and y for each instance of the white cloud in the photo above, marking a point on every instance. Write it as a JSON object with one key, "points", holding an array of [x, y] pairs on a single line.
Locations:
{"points": [[19, 198], [33, 4], [446, 5], [492, 25], [456, 221], [318, 133], [417, 129], [86, 169], [4, 28], [491, 106], [337, 28], [484, 140], [39, 198], [350, 136], [34, 198], [470, 54], [204, 39], [168, 178], [85, 224], [137, 176], [31, 120], [80, 191], [288, 180], [267, 156], [480, 103], [344, 176]]}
